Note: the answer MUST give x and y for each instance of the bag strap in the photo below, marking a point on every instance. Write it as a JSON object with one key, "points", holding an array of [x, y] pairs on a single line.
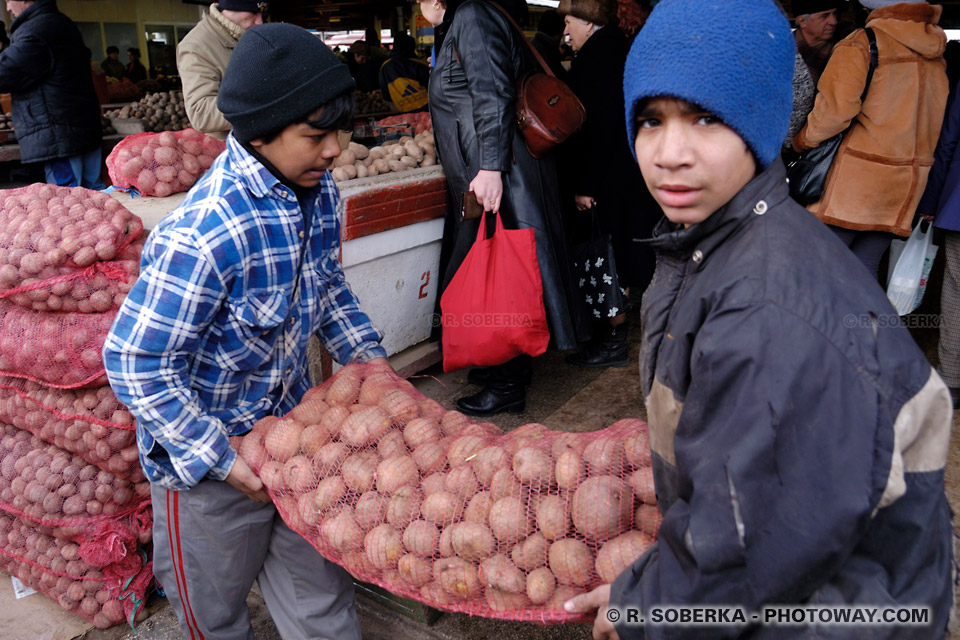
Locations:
{"points": [[874, 61], [536, 54]]}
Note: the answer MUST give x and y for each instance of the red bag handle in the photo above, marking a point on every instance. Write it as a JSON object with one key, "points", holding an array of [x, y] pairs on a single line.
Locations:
{"points": [[482, 231]]}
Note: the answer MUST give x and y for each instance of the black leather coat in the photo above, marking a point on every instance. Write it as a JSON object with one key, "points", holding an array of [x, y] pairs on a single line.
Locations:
{"points": [[472, 96], [46, 68]]}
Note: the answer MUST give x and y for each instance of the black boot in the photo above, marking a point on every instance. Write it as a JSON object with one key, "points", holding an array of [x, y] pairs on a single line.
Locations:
{"points": [[518, 370], [610, 350], [496, 398]]}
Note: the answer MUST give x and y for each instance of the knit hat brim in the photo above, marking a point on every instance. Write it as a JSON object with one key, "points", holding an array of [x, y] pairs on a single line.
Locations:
{"points": [[879, 4]]}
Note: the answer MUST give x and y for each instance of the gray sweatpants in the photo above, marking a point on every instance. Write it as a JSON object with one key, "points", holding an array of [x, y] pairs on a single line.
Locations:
{"points": [[211, 542]]}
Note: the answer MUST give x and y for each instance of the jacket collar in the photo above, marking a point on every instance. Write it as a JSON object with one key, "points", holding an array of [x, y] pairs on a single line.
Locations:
{"points": [[254, 174], [229, 31], [762, 194], [913, 26], [39, 6]]}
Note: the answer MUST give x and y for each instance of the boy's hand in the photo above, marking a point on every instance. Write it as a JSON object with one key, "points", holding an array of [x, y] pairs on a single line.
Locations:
{"points": [[243, 479], [598, 600], [584, 203]]}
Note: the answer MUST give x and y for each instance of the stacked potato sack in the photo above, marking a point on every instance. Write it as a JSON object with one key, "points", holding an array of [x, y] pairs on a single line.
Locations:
{"points": [[69, 474], [407, 153], [454, 513], [420, 121], [161, 164]]}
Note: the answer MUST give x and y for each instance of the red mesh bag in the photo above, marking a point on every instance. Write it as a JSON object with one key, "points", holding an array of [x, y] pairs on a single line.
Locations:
{"points": [[420, 121], [456, 514], [61, 350], [62, 495], [106, 594], [91, 423], [161, 164], [67, 248]]}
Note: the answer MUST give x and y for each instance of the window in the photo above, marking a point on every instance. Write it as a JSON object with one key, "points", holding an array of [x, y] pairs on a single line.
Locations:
{"points": [[162, 49], [92, 37], [122, 35]]}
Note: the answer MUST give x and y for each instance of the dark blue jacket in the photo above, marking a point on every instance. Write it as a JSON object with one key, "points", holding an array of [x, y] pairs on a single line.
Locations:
{"points": [[799, 436], [46, 68], [942, 195]]}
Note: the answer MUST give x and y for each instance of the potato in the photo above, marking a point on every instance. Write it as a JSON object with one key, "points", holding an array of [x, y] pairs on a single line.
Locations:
{"points": [[430, 457], [488, 461], [358, 565], [312, 438], [342, 531], [328, 493], [421, 537], [283, 441], [404, 506], [566, 441], [647, 518], [396, 165], [434, 483], [347, 157], [362, 171], [376, 153], [371, 509], [330, 458], [509, 520], [397, 472], [446, 543], [421, 431], [636, 448], [298, 474], [569, 470], [499, 572], [132, 168], [344, 388], [415, 570], [462, 481], [457, 577], [391, 445], [533, 467], [502, 601], [400, 406], [571, 562], [553, 518], [471, 541], [350, 171], [166, 156], [641, 481], [442, 507], [408, 162], [359, 150], [478, 510], [166, 173], [383, 546], [602, 507], [359, 471], [505, 484], [561, 595], [605, 456], [363, 426], [146, 181], [453, 422], [429, 160], [619, 553], [463, 447], [540, 585], [333, 418]]}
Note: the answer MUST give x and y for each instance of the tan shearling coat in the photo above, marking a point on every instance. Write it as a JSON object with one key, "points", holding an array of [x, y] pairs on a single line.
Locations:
{"points": [[881, 168], [202, 59]]}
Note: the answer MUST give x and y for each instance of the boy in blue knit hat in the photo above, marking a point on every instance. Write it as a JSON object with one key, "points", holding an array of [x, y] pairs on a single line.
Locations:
{"points": [[799, 436], [213, 337]]}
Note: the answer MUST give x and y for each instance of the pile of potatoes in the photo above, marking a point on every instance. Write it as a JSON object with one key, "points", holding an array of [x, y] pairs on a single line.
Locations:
{"points": [[371, 102], [456, 514], [163, 111], [408, 153]]}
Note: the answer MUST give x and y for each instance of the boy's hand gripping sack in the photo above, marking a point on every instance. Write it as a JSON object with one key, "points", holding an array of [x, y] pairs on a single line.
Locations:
{"points": [[492, 310]]}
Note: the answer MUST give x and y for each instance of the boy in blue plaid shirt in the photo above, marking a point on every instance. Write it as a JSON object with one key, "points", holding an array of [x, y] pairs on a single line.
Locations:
{"points": [[213, 336]]}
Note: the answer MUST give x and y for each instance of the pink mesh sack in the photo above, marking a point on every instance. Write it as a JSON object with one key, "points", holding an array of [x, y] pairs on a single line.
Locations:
{"points": [[61, 350], [106, 590], [91, 423], [62, 495], [456, 514], [161, 164], [66, 248]]}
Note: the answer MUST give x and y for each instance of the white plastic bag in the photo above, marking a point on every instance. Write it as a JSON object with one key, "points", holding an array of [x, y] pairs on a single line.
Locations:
{"points": [[908, 280], [896, 248]]}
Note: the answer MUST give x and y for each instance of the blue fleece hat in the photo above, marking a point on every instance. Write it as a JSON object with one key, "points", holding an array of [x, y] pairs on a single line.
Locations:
{"points": [[734, 58]]}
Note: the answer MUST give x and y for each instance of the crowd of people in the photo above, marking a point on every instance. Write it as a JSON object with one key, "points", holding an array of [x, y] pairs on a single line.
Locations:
{"points": [[798, 435]]}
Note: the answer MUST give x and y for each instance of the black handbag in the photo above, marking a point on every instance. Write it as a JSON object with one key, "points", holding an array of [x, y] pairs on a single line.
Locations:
{"points": [[595, 274], [807, 175]]}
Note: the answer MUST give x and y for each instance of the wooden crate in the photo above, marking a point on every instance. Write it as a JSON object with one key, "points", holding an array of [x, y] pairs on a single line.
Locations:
{"points": [[404, 606]]}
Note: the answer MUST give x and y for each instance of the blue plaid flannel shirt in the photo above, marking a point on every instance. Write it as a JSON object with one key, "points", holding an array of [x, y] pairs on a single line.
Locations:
{"points": [[213, 335]]}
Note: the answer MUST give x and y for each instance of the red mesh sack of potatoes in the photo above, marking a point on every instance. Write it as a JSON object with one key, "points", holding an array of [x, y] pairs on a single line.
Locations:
{"points": [[91, 423], [63, 495], [106, 595], [67, 248], [61, 350], [161, 164], [456, 514]]}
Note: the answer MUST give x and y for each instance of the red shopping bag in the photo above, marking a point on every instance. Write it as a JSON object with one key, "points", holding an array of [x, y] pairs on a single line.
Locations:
{"points": [[492, 310]]}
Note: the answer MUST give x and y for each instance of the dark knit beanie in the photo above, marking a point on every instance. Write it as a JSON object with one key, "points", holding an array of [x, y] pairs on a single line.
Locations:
{"points": [[805, 7], [251, 6], [734, 58], [600, 12], [278, 74]]}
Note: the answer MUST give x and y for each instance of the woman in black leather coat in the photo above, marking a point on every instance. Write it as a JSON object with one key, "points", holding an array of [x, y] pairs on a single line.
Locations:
{"points": [[472, 93]]}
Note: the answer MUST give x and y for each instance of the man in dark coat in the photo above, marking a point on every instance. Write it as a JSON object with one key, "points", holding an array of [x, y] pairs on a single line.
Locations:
{"points": [[111, 65], [816, 33], [56, 115]]}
